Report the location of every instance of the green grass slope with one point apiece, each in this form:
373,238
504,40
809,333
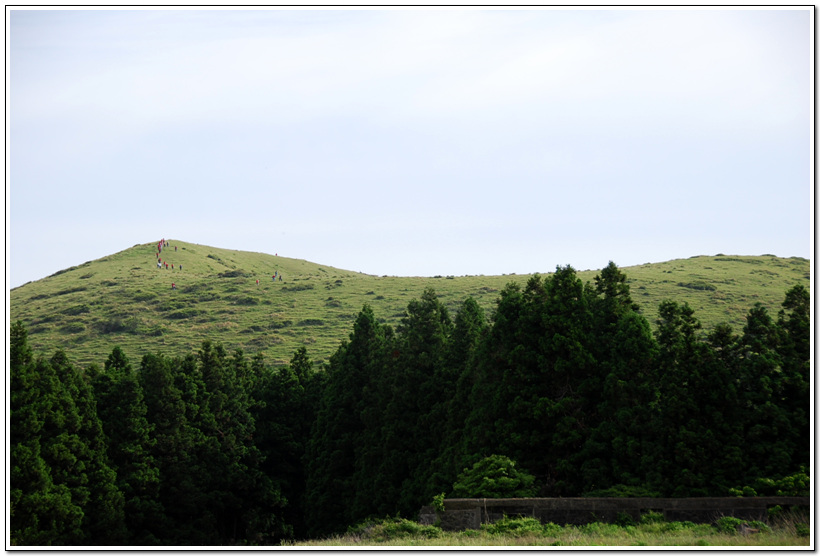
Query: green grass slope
125,300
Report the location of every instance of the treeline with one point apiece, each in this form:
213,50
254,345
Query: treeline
567,379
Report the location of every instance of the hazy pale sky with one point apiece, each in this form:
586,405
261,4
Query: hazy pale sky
410,141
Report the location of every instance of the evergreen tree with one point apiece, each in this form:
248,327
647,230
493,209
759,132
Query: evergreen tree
173,450
284,418
794,323
103,520
768,431
42,513
420,387
122,410
239,500
624,349
470,325
336,445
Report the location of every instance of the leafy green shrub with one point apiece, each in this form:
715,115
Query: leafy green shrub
233,274
514,527
624,519
438,502
796,484
115,324
802,529
552,529
494,477
652,517
393,528
728,524
759,525
697,285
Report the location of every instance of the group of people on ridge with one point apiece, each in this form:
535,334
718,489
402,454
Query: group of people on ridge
163,243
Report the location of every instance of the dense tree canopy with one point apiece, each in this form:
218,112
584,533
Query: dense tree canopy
565,391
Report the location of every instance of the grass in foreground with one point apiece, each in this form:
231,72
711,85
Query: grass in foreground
652,531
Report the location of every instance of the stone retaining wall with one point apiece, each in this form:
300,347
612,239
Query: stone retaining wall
470,513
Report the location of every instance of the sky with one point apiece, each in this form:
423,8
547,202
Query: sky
410,142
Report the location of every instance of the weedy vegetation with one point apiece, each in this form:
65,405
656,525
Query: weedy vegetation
652,530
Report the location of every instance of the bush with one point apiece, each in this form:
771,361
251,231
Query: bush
514,527
652,517
728,524
494,477
802,529
233,274
796,484
393,528
438,502
624,519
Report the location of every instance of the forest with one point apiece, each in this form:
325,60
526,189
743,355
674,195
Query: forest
566,379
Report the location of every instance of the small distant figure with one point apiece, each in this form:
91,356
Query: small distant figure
173,285
257,281
180,267
274,277
172,266
159,264
280,277
175,247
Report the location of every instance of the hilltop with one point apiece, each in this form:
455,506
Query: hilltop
124,299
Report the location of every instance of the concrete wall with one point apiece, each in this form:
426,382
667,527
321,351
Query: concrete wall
470,513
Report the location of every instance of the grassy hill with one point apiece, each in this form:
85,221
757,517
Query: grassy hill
125,300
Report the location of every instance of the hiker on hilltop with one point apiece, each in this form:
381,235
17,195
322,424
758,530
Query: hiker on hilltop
173,285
